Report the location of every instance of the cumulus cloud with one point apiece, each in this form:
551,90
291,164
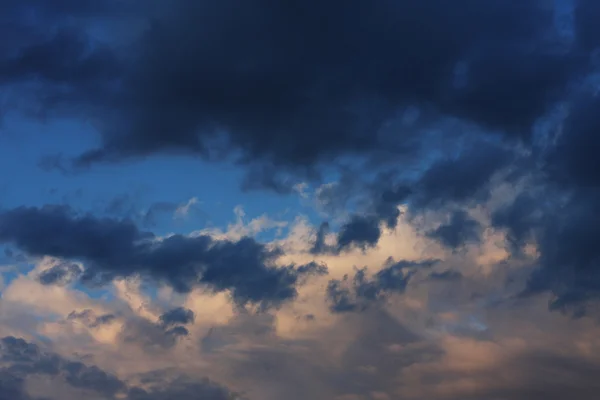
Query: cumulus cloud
404,329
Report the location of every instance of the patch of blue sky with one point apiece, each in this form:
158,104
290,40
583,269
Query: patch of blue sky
11,268
103,293
159,179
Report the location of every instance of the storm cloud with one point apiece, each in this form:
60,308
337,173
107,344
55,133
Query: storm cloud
270,81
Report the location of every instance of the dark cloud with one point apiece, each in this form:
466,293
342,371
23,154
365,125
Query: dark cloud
462,177
60,274
58,231
59,8
559,214
21,360
152,336
183,388
359,292
286,88
12,387
565,221
569,256
585,26
114,248
572,161
363,230
319,246
446,276
386,206
360,231
179,315
267,82
460,230
90,318
519,219
64,57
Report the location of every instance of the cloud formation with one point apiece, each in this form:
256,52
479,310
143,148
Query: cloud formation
23,360
358,293
460,138
117,248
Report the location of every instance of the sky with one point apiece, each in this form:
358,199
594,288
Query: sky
316,199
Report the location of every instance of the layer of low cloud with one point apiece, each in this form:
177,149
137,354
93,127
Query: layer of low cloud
409,328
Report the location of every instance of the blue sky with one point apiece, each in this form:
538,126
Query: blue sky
217,187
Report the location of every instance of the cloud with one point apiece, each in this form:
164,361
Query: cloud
88,317
296,103
461,229
183,389
460,140
114,248
179,315
415,337
471,369
23,360
63,273
360,231
152,336
446,100
446,276
357,294
462,178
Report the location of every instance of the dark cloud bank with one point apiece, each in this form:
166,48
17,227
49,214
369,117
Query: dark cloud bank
445,95
112,248
22,360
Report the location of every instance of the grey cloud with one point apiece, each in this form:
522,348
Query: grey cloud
360,292
22,360
179,315
114,248
151,336
60,274
464,177
184,389
90,318
460,230
523,376
447,275
290,103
